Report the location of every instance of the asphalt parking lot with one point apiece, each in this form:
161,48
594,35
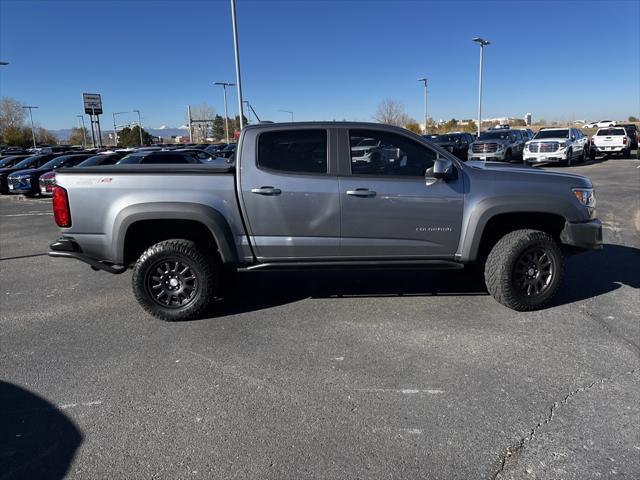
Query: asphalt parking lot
367,374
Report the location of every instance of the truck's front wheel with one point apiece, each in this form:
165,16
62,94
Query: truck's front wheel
175,280
524,269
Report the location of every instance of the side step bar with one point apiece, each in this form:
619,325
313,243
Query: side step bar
346,264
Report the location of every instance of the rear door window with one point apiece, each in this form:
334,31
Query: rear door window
293,151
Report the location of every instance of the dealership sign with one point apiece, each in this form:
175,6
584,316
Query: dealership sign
92,103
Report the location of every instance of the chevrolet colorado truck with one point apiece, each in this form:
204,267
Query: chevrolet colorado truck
298,196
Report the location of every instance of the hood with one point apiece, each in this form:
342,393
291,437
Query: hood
553,139
493,140
24,172
498,168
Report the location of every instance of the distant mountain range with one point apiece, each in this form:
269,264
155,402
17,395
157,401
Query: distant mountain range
162,131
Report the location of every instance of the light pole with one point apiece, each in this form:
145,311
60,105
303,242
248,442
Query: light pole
115,133
224,86
139,125
4,63
289,112
483,43
84,130
425,80
236,48
33,132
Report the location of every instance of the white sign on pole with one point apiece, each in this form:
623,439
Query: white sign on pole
92,103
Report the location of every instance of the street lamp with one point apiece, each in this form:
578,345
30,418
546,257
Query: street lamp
115,133
289,112
425,80
224,86
483,43
84,131
33,132
139,125
4,63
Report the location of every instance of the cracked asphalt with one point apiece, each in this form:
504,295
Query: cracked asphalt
388,374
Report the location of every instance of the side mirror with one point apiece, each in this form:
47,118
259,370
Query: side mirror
442,169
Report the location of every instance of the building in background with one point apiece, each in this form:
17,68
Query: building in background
527,119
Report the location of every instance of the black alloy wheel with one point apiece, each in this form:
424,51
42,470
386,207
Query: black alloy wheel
172,283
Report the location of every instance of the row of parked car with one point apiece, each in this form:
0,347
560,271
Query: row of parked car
34,174
563,145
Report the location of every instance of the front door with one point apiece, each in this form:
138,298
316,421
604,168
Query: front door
289,196
388,209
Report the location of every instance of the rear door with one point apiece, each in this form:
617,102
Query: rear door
289,193
388,208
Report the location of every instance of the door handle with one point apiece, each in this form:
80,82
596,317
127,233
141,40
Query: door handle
361,192
266,191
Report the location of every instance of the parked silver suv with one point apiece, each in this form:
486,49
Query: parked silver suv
498,145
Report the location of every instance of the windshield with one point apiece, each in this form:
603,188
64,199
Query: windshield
27,162
552,134
132,158
108,159
611,131
495,135
55,163
7,162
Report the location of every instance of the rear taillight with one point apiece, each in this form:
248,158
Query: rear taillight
61,212
624,140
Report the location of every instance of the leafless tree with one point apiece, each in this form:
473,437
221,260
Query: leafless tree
392,112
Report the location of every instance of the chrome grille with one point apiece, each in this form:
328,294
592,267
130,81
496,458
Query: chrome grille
484,147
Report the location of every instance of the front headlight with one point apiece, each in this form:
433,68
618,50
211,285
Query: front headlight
585,196
500,147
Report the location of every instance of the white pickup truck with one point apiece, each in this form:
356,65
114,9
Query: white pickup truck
612,140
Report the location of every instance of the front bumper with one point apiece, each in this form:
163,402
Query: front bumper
67,248
486,157
586,235
545,157
20,185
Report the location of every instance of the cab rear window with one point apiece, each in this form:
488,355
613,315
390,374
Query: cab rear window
294,151
611,132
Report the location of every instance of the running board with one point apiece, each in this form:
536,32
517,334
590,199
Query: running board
347,264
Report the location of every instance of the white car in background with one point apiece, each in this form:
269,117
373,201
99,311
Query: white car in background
600,124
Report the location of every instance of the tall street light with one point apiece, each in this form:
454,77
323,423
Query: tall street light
139,125
425,80
84,130
236,48
224,86
115,133
483,43
289,112
4,63
33,132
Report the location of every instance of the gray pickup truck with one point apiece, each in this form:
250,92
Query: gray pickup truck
300,196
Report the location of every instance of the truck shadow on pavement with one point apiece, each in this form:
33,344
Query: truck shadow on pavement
587,275
37,440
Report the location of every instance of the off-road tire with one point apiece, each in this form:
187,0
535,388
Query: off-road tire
505,257
507,156
202,266
567,162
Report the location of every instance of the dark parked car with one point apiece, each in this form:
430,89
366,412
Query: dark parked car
632,131
27,181
32,161
456,143
228,151
214,149
158,157
200,154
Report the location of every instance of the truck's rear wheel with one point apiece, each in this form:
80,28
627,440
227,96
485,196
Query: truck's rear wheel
175,280
524,269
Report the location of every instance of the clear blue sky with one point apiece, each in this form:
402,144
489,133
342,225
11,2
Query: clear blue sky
323,59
